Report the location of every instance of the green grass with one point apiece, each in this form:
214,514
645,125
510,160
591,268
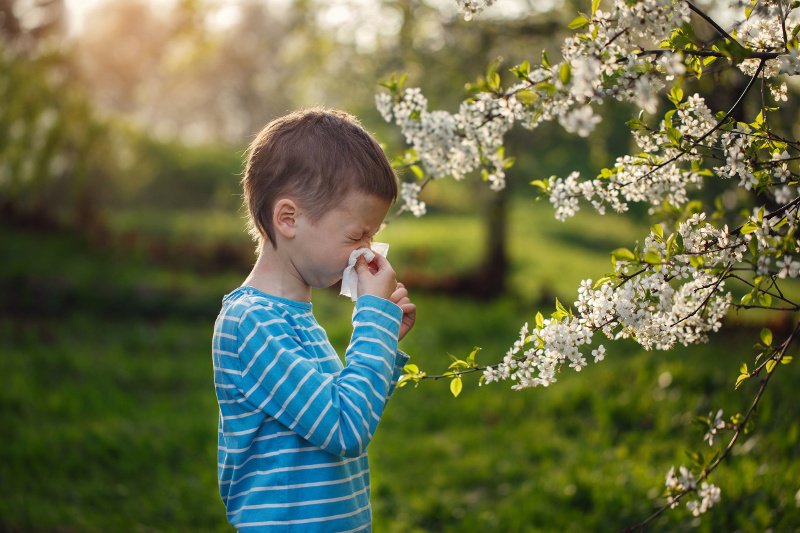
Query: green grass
111,415
115,420
111,426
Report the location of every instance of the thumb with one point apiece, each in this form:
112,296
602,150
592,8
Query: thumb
360,265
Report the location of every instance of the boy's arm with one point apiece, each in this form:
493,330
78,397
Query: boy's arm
338,413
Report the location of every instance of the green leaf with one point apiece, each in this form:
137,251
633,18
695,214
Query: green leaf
675,136
695,457
456,386
658,231
786,359
395,82
652,257
636,124
560,312
731,49
741,379
522,70
578,22
771,365
749,227
540,340
493,81
565,73
540,184
417,171
623,254
743,369
595,6
546,87
668,118
411,369
759,121
601,281
539,320
676,95
527,97
679,243
670,246
766,336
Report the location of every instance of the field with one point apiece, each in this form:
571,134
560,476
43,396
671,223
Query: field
111,415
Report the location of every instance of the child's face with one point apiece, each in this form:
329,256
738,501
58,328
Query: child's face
321,249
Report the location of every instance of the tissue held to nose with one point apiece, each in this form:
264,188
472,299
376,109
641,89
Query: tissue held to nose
349,276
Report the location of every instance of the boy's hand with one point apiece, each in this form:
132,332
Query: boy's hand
400,297
376,278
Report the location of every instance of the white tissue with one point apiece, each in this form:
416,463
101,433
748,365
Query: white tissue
349,276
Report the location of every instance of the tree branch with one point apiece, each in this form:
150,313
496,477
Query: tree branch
738,432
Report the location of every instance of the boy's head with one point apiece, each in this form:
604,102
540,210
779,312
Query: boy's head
316,157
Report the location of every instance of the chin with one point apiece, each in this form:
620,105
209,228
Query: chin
327,284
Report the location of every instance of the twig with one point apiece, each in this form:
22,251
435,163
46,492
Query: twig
711,21
707,298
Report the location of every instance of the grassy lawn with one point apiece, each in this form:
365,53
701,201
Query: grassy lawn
112,419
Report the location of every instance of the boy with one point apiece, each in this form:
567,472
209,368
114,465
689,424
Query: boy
294,422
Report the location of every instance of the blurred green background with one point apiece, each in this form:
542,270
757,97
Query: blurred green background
122,129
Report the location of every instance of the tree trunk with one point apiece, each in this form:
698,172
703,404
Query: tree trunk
490,279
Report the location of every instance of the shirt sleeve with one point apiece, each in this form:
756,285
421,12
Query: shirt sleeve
400,361
338,413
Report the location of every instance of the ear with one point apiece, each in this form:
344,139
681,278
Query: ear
284,217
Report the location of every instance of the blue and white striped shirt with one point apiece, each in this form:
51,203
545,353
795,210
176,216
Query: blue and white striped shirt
294,423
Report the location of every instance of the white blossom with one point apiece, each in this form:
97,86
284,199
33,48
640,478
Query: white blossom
790,63
409,194
645,95
715,424
788,267
709,495
383,101
581,120
472,7
779,92
599,353
672,64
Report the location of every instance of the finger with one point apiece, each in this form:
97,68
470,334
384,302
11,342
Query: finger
380,262
399,294
360,265
409,309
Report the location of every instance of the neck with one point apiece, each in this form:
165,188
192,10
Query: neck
275,275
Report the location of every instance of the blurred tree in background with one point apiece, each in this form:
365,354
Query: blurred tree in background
51,144
155,102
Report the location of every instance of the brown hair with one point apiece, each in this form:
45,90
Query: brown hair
315,156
